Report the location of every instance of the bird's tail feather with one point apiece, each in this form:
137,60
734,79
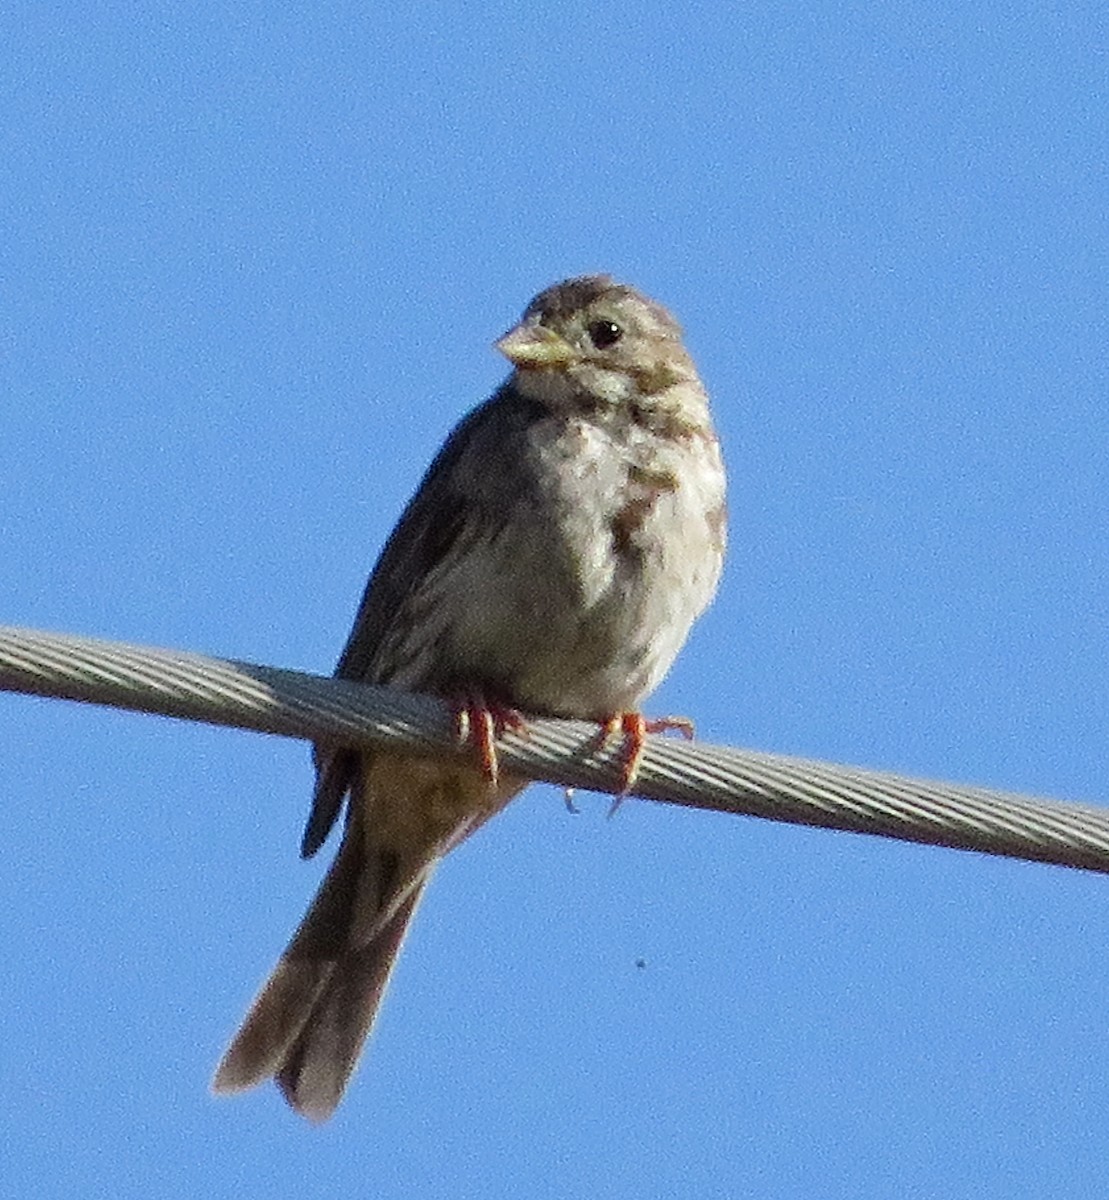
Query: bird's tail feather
308,1024
319,1064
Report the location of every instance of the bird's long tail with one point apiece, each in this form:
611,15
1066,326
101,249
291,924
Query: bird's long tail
307,1027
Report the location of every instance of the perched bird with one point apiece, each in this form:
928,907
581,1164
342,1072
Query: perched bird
551,563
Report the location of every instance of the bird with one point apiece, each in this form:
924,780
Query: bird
550,563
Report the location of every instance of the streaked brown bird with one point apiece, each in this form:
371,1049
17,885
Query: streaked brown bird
551,562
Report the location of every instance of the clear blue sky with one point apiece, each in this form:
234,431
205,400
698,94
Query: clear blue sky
253,258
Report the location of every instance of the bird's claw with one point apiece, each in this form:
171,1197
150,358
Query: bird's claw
480,722
633,728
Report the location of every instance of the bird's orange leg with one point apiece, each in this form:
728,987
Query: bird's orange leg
633,728
480,722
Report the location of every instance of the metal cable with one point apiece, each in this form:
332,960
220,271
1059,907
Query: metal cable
294,704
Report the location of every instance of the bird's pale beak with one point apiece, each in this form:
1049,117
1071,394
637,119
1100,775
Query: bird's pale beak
532,346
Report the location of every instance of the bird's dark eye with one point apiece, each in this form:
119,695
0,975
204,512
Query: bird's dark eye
604,334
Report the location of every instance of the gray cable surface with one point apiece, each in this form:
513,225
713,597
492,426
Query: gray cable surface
294,704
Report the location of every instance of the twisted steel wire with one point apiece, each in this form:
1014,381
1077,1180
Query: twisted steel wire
569,753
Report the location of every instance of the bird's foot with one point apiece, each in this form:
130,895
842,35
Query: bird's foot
479,722
633,728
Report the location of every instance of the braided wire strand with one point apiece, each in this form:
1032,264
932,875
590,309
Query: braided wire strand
569,753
